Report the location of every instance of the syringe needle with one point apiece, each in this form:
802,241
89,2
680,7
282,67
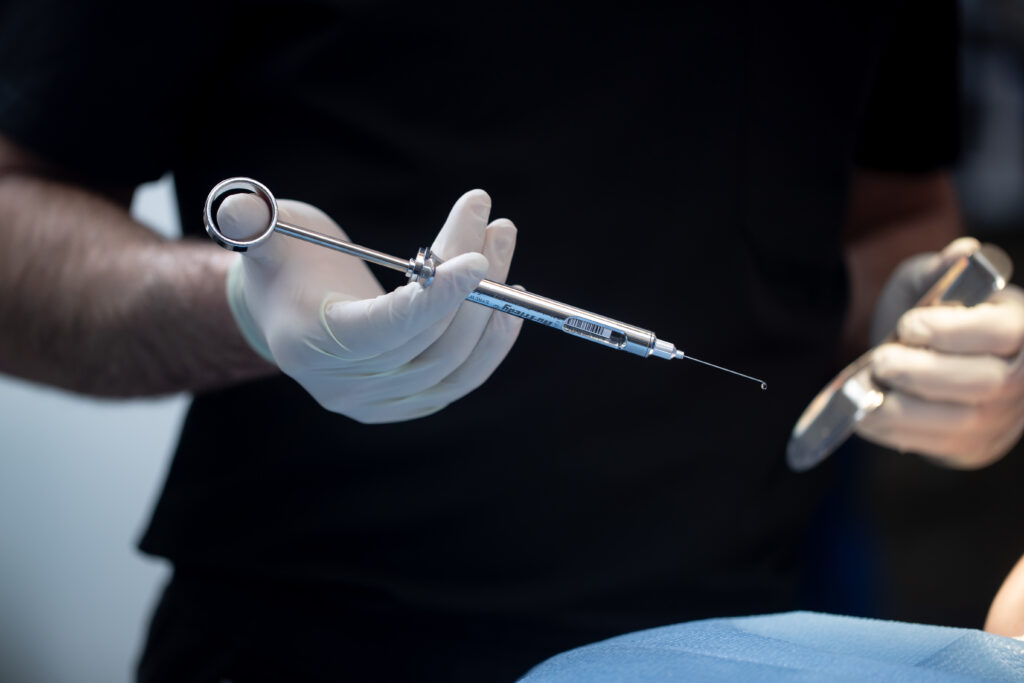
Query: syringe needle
681,355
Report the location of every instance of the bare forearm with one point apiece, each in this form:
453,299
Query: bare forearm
93,302
891,217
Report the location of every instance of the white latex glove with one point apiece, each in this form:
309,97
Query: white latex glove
324,319
954,376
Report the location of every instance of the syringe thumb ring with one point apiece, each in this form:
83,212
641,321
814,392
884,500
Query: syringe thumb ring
232,186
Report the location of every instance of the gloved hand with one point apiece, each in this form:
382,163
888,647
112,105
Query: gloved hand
1006,613
954,378
325,320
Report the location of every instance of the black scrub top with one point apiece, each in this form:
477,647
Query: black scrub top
682,168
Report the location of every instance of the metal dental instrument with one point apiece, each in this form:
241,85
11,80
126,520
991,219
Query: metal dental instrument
503,298
832,416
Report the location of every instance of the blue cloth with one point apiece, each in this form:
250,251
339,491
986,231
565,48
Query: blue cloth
805,646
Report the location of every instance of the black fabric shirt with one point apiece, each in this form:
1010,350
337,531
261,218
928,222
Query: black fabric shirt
683,169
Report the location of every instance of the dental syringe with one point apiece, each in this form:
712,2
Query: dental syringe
511,300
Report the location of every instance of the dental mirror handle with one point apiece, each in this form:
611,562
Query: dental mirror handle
832,416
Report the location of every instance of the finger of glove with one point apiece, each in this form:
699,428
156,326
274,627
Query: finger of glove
954,378
909,423
369,328
494,345
420,386
901,292
917,274
499,246
463,231
910,281
995,327
501,330
381,384
969,450
397,374
956,452
412,369
245,216
463,335
958,248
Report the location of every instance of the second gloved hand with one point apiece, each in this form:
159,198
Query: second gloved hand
325,320
954,378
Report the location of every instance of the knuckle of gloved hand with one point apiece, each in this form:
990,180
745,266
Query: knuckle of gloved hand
885,433
875,426
911,329
1013,334
402,315
437,329
501,336
930,326
978,422
437,374
984,393
965,420
508,325
431,310
422,373
889,364
992,383
463,273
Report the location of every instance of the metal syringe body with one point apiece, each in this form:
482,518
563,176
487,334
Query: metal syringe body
503,298
572,320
